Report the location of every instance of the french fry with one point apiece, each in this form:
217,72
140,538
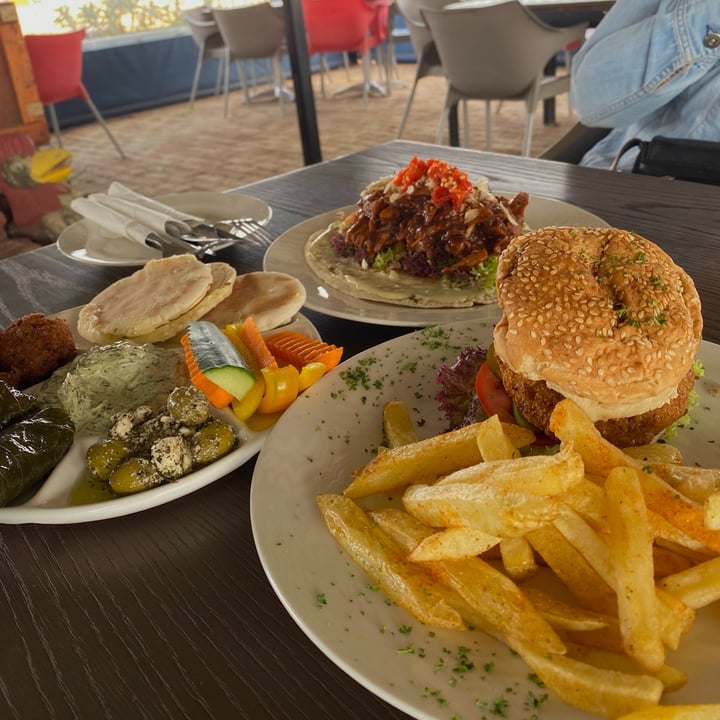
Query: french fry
493,442
562,615
655,453
632,561
632,534
588,500
676,618
519,436
590,544
494,597
573,570
453,544
696,586
398,428
423,461
696,483
495,511
537,475
595,690
711,510
676,712
678,510
671,678
518,558
667,561
571,425
406,583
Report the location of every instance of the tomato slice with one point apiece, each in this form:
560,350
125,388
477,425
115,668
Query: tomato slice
492,396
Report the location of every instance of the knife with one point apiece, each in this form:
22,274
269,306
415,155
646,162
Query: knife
120,224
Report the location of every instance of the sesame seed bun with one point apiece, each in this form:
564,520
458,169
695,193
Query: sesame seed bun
603,316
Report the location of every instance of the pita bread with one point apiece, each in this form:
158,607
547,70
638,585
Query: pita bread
271,298
395,288
221,278
160,291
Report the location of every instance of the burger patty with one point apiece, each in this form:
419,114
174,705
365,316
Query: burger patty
536,401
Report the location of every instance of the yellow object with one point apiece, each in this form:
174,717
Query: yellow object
310,374
50,166
281,388
243,409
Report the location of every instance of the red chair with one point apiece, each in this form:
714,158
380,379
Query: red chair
57,65
340,26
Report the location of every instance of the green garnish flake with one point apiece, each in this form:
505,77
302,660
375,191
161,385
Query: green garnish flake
434,337
463,663
320,600
359,377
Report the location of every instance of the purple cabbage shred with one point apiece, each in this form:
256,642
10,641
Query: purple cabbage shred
456,397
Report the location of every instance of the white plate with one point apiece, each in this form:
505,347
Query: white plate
49,505
287,255
87,242
315,448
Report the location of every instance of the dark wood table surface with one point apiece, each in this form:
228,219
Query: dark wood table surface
168,613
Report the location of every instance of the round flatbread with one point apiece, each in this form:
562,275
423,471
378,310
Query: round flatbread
271,298
223,276
159,292
396,288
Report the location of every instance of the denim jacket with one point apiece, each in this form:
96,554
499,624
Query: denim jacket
651,67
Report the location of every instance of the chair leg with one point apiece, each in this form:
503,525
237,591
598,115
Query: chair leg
406,112
244,80
55,124
196,78
219,76
488,126
466,123
527,140
104,125
226,83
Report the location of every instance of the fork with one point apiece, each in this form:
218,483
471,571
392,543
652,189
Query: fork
247,229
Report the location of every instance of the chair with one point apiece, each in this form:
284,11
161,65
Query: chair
253,32
428,61
207,37
57,66
497,51
344,26
571,147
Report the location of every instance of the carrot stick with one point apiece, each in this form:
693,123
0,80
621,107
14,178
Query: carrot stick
296,349
218,397
255,342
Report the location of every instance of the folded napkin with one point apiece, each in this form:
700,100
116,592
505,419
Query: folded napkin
111,220
124,212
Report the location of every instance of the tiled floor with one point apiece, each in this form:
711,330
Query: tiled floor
175,149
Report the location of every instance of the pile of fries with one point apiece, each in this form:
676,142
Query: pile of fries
484,534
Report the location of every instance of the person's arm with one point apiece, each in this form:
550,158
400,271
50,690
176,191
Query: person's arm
642,55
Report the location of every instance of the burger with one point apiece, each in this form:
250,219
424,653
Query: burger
601,316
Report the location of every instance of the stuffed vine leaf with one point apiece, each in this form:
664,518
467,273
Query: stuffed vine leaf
31,448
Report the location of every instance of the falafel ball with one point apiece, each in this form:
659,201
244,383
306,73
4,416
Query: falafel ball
33,347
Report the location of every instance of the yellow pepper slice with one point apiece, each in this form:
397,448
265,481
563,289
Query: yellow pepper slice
310,374
281,388
243,409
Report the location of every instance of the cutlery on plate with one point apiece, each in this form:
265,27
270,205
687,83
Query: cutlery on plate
120,224
176,223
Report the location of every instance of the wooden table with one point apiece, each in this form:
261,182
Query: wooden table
167,613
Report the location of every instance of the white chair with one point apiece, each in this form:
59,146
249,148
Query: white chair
428,61
253,32
206,35
497,50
